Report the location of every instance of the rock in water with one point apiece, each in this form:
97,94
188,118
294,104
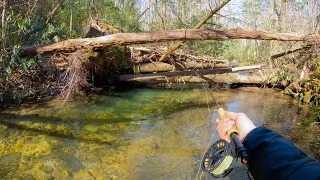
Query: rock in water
9,163
47,169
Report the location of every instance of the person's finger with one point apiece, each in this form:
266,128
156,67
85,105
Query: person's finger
222,135
231,115
223,121
220,131
224,127
219,127
229,125
218,121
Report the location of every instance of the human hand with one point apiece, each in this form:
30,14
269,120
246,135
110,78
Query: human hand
234,120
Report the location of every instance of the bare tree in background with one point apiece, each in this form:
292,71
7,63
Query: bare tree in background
3,24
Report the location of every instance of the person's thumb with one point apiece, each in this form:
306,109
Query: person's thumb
231,115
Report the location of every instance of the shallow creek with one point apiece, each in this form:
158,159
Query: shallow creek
135,134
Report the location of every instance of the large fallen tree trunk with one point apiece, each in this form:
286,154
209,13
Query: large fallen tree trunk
159,36
165,75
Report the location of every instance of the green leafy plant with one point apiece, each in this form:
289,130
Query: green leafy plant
285,75
312,119
315,86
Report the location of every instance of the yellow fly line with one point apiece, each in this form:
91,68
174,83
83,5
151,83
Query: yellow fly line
225,164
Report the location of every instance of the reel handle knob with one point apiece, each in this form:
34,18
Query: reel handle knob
223,117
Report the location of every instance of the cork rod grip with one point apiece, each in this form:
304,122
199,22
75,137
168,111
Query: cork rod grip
223,117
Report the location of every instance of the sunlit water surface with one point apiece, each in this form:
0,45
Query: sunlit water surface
136,134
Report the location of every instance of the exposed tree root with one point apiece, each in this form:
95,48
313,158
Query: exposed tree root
75,78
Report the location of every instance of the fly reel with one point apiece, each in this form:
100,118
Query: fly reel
220,159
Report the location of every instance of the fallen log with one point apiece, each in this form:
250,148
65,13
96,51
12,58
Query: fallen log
159,36
164,75
230,78
289,52
183,65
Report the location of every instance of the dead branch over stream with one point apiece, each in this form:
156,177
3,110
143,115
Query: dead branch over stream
160,36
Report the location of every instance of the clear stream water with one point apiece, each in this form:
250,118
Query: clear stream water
135,134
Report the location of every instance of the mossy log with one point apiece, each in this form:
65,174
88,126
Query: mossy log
160,36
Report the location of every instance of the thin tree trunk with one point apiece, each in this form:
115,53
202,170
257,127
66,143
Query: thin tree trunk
146,10
3,24
54,10
203,21
71,15
164,15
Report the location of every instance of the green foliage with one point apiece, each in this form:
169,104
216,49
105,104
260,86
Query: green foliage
211,48
21,30
314,118
314,100
123,15
315,86
232,50
285,75
25,27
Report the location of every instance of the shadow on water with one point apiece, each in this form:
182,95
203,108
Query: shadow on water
12,122
52,132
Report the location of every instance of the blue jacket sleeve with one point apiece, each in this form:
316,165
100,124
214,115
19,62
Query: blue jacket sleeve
274,157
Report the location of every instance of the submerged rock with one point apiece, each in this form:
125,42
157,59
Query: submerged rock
3,127
83,175
71,162
39,148
9,163
28,177
60,173
47,169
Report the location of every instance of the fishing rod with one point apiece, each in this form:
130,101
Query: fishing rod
221,157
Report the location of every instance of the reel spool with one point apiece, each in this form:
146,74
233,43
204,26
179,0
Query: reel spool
220,159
